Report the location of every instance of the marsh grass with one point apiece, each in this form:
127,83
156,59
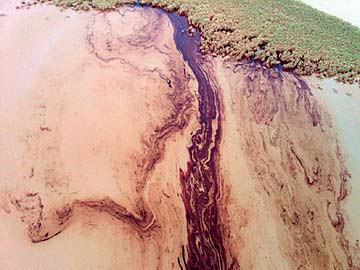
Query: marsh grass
285,32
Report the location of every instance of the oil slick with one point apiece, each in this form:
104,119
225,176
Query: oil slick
291,152
200,180
139,151
111,110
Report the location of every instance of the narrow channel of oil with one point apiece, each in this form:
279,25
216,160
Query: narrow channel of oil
199,181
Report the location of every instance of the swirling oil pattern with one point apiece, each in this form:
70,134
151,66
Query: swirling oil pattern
124,147
199,181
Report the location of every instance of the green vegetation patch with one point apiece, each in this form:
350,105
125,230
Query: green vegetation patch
285,32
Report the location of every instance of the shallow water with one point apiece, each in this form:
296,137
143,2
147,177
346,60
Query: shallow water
136,150
343,102
69,140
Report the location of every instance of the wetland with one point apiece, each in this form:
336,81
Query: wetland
124,147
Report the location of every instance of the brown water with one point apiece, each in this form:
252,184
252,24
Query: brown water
124,148
86,111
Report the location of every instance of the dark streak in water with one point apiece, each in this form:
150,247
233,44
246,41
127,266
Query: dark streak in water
200,187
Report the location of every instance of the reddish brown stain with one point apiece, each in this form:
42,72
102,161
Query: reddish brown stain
200,180
281,127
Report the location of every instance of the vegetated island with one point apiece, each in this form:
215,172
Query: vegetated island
285,32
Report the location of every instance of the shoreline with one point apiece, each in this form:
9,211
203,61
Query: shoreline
259,50
159,157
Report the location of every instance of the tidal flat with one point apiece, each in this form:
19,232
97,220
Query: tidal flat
123,147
